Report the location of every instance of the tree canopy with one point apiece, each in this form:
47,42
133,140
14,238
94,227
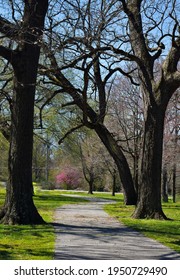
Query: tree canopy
77,49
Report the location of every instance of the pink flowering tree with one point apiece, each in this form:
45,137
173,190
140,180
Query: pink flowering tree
68,178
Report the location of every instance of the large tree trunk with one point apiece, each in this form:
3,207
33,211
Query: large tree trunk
19,207
130,196
149,193
157,93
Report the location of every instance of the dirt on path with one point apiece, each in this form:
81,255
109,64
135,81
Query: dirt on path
87,232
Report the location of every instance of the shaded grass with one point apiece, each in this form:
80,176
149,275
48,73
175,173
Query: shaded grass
37,242
118,197
167,232
26,242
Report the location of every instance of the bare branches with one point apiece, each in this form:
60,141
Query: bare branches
91,44
124,73
70,132
174,55
9,29
48,100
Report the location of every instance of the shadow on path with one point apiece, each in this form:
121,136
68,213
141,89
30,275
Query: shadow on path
86,232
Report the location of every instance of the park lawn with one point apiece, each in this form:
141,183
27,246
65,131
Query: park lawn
26,242
105,195
166,232
37,242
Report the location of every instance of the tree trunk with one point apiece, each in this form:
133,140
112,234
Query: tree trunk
174,183
114,183
136,171
90,182
149,193
130,196
164,184
19,207
175,152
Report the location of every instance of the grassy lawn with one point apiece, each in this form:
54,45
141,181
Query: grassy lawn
166,232
37,242
33,242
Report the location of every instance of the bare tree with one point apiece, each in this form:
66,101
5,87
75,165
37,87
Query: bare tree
21,31
79,43
125,119
93,162
97,39
147,46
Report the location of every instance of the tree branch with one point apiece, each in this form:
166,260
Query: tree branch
6,53
171,62
127,74
9,29
47,102
69,132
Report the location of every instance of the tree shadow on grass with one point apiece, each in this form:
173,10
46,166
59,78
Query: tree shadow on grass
5,253
177,242
58,198
9,254
26,242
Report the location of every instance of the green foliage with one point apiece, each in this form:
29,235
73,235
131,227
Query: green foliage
33,242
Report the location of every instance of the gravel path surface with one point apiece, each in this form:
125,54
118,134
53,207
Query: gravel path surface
87,232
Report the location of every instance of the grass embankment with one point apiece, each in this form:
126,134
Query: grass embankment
33,242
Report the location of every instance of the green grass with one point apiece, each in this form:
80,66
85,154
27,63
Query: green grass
37,242
118,197
33,242
166,232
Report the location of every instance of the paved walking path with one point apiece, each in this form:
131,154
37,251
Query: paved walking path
86,232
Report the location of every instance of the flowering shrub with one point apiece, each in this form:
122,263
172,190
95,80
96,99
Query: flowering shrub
68,178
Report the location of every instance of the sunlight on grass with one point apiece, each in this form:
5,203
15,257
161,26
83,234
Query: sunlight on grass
37,242
33,242
166,232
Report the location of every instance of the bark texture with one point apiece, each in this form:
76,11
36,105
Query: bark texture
149,192
19,207
130,196
156,95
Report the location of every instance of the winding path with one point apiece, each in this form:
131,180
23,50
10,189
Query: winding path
87,232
